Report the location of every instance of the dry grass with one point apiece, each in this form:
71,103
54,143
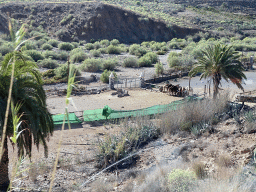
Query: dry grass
224,160
197,114
199,169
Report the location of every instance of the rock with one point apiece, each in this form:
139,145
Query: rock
247,150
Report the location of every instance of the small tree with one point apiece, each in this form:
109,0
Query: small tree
159,69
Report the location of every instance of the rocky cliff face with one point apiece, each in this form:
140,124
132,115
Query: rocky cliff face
76,21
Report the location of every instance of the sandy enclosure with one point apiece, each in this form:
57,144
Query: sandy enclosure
137,99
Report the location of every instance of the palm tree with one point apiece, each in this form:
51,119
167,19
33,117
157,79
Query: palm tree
217,62
21,85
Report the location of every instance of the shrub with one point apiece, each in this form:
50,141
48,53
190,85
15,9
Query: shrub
156,46
97,45
49,73
75,44
46,46
145,61
62,71
114,42
91,65
41,42
51,54
173,59
153,56
35,55
63,55
105,42
89,46
48,63
159,69
61,33
181,180
76,50
30,45
130,62
66,46
102,50
137,50
124,48
6,48
78,57
95,53
53,42
111,49
199,169
105,76
110,64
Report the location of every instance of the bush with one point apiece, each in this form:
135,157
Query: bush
102,50
53,42
75,44
124,48
137,50
145,61
29,45
41,42
66,46
181,180
97,45
111,49
63,55
35,55
49,73
61,33
62,71
130,62
6,48
89,46
173,59
91,65
105,76
110,64
153,57
48,63
46,46
78,57
114,42
105,42
51,54
159,69
95,53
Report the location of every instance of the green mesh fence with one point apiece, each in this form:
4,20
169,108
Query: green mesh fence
58,119
108,113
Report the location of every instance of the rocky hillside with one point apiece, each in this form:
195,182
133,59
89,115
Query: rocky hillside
91,20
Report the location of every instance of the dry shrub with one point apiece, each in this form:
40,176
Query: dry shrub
101,186
193,113
199,169
224,160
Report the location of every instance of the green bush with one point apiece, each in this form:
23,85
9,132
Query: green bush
6,48
110,64
48,63
153,56
173,59
89,46
91,65
51,54
78,57
114,42
75,44
46,46
145,61
130,62
97,45
41,42
156,46
124,48
49,73
159,69
63,55
105,42
66,46
29,45
53,42
75,51
181,180
62,71
105,76
35,55
111,49
137,50
95,53
102,50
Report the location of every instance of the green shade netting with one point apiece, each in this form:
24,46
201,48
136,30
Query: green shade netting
101,114
58,119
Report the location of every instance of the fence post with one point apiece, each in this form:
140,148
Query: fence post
111,81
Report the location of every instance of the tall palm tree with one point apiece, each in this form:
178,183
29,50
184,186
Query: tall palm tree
36,124
217,62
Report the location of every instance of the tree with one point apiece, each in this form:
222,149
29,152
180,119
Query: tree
21,89
217,62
